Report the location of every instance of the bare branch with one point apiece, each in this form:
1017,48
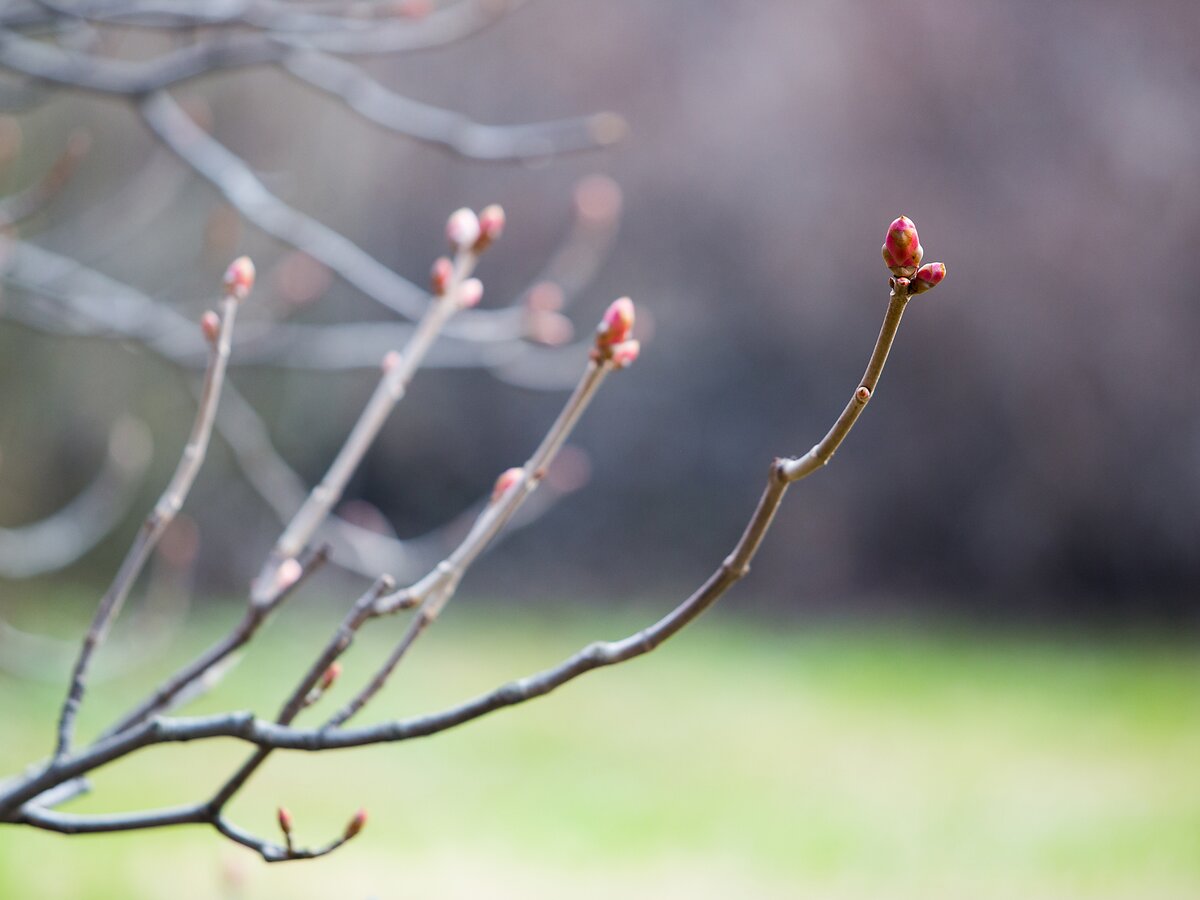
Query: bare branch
164,511
352,546
452,130
434,591
233,178
393,383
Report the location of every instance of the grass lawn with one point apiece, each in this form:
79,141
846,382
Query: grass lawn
737,761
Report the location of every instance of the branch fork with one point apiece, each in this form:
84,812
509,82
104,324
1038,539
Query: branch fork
29,799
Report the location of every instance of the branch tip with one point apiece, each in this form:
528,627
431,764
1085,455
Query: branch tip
239,278
928,277
462,229
356,824
491,226
617,324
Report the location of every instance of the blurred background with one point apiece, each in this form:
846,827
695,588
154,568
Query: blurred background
1030,460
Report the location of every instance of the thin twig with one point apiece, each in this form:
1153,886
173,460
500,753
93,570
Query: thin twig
391,388
156,523
434,591
451,130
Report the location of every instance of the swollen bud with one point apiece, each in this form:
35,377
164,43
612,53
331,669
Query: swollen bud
286,575
439,275
491,226
508,478
470,293
928,276
462,229
239,278
901,242
625,354
356,824
331,675
617,324
285,820
210,327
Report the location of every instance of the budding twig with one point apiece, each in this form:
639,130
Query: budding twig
434,591
238,281
393,383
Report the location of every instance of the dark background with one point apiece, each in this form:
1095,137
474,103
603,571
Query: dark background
1032,449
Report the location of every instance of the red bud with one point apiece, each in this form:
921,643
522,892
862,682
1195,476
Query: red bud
617,324
440,275
902,241
356,824
285,820
928,276
331,675
491,226
508,478
625,354
210,327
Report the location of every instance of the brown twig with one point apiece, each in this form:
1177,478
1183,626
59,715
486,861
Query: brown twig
156,523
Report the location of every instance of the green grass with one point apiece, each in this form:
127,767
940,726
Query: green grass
737,761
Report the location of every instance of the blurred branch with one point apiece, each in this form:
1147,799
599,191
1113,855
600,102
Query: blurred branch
352,546
59,540
454,131
15,208
154,625
398,370
233,178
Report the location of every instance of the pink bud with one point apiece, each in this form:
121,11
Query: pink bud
331,675
391,360
356,824
285,820
617,324
928,276
491,226
902,241
287,574
470,293
462,228
210,327
440,275
625,354
239,278
508,478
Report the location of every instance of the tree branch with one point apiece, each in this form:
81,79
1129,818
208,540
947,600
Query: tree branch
156,523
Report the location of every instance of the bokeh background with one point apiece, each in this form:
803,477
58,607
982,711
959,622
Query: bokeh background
1028,467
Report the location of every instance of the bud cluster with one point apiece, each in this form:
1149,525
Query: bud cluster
614,334
467,231
903,254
